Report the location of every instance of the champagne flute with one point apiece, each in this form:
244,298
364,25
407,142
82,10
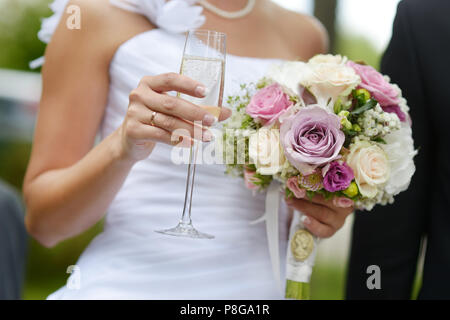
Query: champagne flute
204,61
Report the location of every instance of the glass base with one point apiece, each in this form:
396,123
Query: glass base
186,230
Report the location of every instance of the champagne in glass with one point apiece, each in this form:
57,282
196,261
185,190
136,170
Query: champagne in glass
203,61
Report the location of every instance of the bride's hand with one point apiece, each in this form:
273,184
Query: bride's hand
153,116
322,217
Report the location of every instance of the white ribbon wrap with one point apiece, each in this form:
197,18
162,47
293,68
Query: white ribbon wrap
271,219
299,271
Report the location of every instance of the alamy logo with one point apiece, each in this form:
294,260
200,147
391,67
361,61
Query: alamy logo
74,281
374,280
74,20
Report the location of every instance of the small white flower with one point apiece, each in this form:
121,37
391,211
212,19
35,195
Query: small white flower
400,152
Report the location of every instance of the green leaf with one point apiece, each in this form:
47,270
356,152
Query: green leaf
310,194
351,133
289,193
263,181
379,140
369,105
326,194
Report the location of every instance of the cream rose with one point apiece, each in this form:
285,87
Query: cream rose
265,151
328,58
329,81
370,166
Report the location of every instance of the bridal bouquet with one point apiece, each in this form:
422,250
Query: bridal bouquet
329,127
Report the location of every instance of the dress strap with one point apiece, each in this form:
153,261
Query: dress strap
49,24
48,27
174,16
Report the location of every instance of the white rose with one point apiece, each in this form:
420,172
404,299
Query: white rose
370,165
328,58
329,81
400,152
265,151
290,75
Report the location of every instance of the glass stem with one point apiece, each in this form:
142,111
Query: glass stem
186,217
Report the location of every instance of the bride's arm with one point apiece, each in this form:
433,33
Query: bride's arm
69,184
67,187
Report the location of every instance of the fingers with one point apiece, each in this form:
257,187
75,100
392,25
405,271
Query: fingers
149,93
318,212
317,228
319,199
142,133
225,113
174,106
175,82
174,125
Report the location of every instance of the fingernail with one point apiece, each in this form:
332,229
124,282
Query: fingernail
207,136
209,120
200,91
177,140
306,220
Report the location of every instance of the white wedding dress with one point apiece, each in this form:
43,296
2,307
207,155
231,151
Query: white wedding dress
128,260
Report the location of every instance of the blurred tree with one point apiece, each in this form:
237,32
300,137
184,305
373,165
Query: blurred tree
20,20
358,48
325,11
14,159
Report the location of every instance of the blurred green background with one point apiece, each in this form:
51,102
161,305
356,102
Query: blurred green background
46,269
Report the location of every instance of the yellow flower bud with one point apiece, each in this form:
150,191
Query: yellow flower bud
364,94
344,114
346,124
351,191
338,106
356,128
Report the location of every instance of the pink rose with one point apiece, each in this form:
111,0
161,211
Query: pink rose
292,184
268,104
311,138
374,82
249,178
342,202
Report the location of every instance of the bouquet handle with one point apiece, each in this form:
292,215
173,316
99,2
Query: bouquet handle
301,256
302,247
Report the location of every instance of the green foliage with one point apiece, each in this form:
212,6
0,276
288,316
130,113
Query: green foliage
20,22
328,281
379,140
289,194
358,48
262,180
249,123
360,109
13,161
47,268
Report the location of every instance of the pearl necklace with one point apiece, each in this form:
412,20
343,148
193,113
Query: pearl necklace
226,14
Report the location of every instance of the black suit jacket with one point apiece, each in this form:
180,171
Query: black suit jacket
418,60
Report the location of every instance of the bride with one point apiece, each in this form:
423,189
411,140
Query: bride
109,77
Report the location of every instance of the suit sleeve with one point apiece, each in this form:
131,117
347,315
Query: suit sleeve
390,237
